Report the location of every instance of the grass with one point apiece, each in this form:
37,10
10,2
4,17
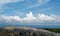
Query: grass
57,30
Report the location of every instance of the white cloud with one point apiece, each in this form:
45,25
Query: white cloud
2,2
30,18
9,1
39,3
9,18
43,17
43,1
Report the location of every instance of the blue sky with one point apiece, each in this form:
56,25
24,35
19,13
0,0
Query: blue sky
46,7
39,12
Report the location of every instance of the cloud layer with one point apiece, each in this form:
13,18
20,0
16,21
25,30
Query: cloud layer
30,18
39,3
28,3
9,1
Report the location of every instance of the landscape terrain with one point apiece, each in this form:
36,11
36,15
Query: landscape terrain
28,31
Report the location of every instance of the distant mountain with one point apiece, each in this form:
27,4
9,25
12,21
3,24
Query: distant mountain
34,26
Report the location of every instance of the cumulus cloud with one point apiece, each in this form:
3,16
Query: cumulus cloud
30,18
9,1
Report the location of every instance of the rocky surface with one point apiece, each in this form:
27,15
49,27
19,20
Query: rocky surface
25,31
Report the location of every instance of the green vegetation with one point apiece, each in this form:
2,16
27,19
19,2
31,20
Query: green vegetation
57,30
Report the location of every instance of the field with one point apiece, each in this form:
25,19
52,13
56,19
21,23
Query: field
57,30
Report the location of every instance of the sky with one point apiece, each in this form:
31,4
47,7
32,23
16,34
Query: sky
30,12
